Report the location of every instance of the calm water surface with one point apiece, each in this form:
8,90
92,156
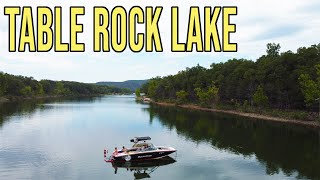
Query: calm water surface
65,139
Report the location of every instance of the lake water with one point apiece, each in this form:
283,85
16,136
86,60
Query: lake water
65,139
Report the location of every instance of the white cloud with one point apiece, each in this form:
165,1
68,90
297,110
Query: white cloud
258,22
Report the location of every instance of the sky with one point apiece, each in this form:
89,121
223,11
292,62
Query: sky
292,23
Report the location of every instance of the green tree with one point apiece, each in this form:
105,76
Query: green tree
259,98
246,105
207,96
3,84
273,49
181,96
39,89
138,93
309,87
59,89
152,88
26,91
237,79
11,85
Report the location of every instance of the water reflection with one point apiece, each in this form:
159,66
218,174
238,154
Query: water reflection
278,147
12,109
28,107
63,139
142,169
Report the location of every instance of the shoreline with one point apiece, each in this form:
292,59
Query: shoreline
312,124
6,99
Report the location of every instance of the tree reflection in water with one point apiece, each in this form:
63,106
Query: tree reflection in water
30,106
278,146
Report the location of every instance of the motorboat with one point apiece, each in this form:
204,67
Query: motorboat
142,169
142,149
146,100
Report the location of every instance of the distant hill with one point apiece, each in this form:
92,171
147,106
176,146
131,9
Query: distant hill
130,84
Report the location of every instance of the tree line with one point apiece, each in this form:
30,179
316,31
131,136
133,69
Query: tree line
12,85
286,80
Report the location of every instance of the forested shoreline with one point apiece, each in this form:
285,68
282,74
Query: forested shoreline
19,87
277,82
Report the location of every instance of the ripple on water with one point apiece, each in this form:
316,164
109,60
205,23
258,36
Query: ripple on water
25,163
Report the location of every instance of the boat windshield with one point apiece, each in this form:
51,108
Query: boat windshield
150,147
144,146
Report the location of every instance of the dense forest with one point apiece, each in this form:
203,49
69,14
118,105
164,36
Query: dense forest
130,84
11,85
276,80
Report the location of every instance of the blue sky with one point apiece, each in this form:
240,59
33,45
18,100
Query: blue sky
292,23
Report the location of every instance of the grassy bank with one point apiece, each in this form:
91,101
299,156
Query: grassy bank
293,117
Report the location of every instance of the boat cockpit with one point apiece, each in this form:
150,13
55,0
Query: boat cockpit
144,146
